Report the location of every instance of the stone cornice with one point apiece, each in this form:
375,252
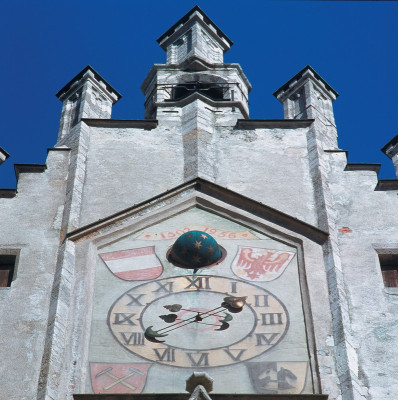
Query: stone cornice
146,124
273,123
387,184
29,168
363,167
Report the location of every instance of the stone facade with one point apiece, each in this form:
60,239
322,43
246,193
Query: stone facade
198,161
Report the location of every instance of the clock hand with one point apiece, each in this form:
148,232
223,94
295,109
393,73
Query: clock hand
197,318
190,320
234,302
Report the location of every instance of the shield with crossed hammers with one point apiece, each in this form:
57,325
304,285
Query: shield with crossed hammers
118,378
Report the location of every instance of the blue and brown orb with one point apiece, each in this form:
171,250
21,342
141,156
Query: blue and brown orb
195,249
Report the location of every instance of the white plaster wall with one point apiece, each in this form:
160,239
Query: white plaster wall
31,223
268,165
372,218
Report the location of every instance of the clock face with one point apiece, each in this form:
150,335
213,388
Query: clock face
139,346
260,325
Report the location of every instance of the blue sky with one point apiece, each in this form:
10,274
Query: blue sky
352,45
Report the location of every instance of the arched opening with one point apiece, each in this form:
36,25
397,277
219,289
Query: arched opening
213,87
214,91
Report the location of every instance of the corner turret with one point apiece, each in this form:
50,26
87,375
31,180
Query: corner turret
308,96
87,95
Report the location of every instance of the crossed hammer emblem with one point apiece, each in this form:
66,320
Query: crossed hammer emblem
117,380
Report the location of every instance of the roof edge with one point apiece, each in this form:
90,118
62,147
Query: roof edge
392,143
186,18
121,123
273,123
375,167
29,168
299,74
98,77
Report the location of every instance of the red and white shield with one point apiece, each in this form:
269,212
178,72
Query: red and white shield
134,265
255,264
118,378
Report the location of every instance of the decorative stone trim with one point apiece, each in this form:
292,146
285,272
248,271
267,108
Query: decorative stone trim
29,168
122,123
363,167
272,123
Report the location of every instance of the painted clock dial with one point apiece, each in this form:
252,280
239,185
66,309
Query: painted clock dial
259,326
262,349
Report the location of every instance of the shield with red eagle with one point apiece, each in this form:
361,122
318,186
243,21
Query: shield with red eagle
255,264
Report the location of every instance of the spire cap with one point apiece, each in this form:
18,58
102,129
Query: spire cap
84,74
293,83
195,14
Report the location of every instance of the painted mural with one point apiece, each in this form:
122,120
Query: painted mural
240,319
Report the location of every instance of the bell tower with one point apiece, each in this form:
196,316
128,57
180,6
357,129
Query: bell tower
195,76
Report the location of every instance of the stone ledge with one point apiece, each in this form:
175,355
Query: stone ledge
147,124
185,396
58,149
8,193
363,167
30,168
273,123
387,184
336,151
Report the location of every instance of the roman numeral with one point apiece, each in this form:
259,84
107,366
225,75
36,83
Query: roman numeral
123,319
233,287
164,287
261,300
199,359
134,338
271,319
165,354
237,356
198,282
263,339
135,299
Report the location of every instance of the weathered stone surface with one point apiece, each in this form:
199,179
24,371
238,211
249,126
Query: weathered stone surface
287,181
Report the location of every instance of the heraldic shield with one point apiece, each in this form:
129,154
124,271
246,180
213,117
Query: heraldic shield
134,265
118,378
282,377
256,264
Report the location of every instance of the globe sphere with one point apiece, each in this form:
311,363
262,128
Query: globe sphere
195,249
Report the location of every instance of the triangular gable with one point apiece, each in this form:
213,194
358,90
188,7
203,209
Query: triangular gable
202,194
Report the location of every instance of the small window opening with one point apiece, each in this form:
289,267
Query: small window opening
389,269
7,266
